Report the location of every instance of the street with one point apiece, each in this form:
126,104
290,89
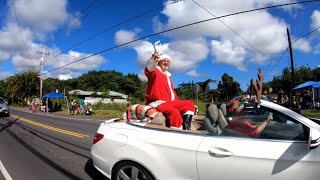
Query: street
35,146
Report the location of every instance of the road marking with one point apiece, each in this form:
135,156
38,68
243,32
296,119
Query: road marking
50,127
5,172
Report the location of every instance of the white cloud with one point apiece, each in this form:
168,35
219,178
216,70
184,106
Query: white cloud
193,73
73,69
142,76
302,45
4,75
317,49
4,56
225,53
184,54
65,76
124,36
188,46
40,16
83,63
11,39
315,18
23,63
265,32
36,18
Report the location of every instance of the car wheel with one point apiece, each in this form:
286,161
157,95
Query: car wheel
131,171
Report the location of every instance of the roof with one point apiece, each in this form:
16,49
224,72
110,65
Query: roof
53,95
88,93
307,85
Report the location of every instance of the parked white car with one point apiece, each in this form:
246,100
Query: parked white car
286,149
4,109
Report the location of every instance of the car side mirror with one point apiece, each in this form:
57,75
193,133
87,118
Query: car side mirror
314,138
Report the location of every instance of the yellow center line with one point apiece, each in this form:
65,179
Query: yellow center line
50,127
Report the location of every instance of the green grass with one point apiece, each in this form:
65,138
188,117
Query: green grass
98,114
311,113
201,107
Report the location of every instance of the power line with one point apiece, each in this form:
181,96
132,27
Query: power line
230,28
24,43
183,26
280,57
68,27
112,27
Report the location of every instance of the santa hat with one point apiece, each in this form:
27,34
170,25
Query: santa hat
164,56
232,107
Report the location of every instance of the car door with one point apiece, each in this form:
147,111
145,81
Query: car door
176,154
280,152
167,153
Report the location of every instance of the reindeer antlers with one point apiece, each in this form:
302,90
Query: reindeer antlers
258,86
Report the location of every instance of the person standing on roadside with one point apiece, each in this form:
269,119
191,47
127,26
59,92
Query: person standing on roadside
162,96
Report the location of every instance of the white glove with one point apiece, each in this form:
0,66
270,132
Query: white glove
270,116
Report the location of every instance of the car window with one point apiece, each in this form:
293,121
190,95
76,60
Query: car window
282,127
1,100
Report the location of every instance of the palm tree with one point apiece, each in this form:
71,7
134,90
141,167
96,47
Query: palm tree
205,86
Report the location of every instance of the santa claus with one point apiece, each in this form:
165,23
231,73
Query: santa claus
162,96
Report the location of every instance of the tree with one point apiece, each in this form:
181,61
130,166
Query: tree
228,88
316,74
3,86
284,82
205,86
51,84
186,90
22,86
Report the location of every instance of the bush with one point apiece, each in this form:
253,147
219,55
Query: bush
110,106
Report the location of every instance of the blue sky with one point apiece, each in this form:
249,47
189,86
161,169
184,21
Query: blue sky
237,45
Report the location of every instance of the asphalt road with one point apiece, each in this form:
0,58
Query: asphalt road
37,147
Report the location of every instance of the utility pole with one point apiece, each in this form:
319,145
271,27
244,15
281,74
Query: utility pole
41,69
292,66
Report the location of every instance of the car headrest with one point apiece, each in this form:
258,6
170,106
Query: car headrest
212,113
223,108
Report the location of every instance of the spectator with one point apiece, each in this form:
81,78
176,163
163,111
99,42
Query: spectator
72,107
78,109
88,109
43,106
33,107
235,111
50,106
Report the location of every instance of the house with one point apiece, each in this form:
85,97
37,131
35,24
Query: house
113,97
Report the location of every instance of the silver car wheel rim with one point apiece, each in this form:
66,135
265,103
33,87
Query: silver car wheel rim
131,173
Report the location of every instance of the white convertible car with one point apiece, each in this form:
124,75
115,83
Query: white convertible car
286,149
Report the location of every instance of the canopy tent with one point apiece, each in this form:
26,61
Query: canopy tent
308,85
53,95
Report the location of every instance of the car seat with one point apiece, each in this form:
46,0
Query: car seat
211,123
222,116
223,108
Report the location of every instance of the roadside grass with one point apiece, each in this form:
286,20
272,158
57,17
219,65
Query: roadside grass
98,114
311,113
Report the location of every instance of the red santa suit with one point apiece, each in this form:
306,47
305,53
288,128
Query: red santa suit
161,94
